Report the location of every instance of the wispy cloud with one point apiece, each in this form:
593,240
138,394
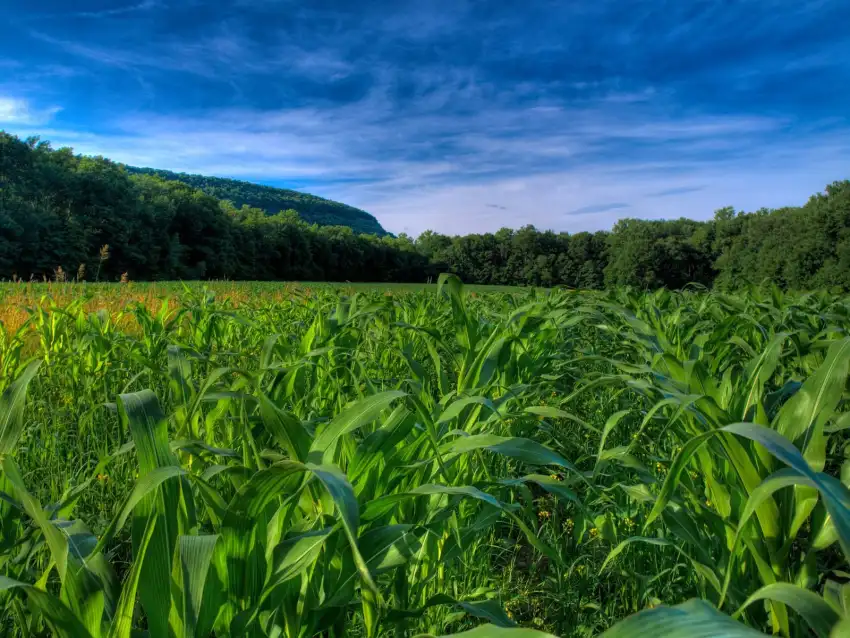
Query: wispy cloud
681,190
424,112
130,8
434,172
597,208
16,111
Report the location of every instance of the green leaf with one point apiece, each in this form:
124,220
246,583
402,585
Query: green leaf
195,554
380,506
141,414
390,546
551,485
355,416
692,619
491,631
340,489
456,407
61,620
521,449
286,429
279,480
489,610
818,614
56,541
700,568
81,588
610,424
12,409
122,623
820,393
293,556
556,413
785,477
835,496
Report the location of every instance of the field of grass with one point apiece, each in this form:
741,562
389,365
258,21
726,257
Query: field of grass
302,460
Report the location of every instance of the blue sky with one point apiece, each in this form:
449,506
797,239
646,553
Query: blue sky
461,115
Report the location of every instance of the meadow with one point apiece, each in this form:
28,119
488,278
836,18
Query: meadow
265,459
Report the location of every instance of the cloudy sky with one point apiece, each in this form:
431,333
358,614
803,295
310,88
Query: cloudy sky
456,115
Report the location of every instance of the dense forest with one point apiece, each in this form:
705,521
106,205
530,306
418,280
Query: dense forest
310,208
92,217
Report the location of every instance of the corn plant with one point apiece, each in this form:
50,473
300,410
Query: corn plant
251,460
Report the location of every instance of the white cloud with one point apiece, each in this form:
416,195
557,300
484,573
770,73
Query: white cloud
440,171
546,200
20,111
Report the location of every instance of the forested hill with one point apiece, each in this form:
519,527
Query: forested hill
64,215
311,208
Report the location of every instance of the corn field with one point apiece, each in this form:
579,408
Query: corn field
329,462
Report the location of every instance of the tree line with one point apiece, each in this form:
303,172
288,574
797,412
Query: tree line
92,217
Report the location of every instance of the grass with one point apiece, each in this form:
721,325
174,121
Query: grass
268,459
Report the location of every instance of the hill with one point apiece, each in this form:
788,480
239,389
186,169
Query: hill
64,215
311,208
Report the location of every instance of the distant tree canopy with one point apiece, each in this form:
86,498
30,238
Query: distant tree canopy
58,209
312,209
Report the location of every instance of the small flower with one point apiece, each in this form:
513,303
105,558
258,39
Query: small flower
103,478
581,569
568,525
555,476
629,523
544,514
708,502
594,532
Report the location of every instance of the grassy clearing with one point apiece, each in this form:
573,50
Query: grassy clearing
304,460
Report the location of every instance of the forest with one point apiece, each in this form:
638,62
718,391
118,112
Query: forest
93,218
273,200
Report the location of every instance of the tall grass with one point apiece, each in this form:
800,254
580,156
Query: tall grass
306,461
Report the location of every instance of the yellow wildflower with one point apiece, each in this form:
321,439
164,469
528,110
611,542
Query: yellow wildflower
103,478
544,514
594,532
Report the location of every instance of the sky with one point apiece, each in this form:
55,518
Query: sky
453,115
